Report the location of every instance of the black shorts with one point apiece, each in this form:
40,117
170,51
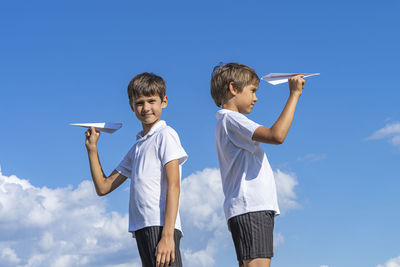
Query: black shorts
147,240
252,234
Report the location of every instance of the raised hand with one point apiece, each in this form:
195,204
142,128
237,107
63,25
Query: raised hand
92,136
296,84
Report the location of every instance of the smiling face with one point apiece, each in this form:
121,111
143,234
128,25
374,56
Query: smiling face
245,100
148,109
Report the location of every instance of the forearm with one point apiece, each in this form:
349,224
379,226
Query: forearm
171,209
282,125
98,176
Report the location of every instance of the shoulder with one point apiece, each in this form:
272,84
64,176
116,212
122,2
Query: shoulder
167,133
168,130
235,116
238,120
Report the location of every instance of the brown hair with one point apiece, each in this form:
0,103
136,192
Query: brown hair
223,74
146,84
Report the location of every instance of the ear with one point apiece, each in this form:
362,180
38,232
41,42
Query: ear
232,89
164,102
131,105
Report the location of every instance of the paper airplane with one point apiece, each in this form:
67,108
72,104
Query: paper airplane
278,78
108,127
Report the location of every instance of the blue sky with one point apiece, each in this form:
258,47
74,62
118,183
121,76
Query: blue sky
71,61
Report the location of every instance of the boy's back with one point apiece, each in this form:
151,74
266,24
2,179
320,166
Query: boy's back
247,177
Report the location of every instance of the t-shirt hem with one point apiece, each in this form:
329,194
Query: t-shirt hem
181,158
276,210
121,170
132,231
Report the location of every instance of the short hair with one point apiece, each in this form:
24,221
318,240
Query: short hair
146,84
223,74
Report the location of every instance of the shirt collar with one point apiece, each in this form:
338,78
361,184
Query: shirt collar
222,111
155,129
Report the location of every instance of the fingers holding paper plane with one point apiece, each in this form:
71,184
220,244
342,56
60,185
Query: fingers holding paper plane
296,84
92,136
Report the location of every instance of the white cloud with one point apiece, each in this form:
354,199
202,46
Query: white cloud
286,184
324,266
203,218
202,199
204,221
390,131
394,262
60,227
71,226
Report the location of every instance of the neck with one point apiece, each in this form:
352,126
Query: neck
147,127
230,106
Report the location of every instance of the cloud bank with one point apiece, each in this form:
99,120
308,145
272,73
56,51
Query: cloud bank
394,262
68,226
203,216
60,227
391,132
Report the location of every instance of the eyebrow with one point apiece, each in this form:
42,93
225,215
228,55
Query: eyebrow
151,98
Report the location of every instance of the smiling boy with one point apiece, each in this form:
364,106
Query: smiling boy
247,179
154,166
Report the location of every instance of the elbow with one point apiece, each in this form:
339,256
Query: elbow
277,136
279,139
279,142
101,193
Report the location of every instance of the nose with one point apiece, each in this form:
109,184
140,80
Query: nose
255,98
146,106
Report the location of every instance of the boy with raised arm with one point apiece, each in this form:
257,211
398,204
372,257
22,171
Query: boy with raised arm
247,179
154,166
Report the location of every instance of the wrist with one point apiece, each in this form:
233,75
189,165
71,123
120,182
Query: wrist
167,233
295,94
91,148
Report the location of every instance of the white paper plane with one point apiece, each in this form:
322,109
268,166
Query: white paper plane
278,78
108,127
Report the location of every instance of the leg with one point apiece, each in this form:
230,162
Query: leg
147,240
252,235
258,262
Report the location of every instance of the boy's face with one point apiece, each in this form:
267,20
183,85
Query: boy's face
148,109
246,99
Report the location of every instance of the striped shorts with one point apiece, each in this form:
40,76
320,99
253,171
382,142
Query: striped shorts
147,240
252,234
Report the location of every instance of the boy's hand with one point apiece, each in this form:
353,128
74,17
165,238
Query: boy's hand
296,84
91,138
165,252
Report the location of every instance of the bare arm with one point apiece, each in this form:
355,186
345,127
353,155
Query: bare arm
102,183
278,132
165,253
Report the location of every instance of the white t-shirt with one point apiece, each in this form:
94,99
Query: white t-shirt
144,164
247,178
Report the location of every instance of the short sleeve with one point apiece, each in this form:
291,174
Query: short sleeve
240,131
125,166
171,148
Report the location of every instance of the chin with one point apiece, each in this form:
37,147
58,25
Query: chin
150,121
